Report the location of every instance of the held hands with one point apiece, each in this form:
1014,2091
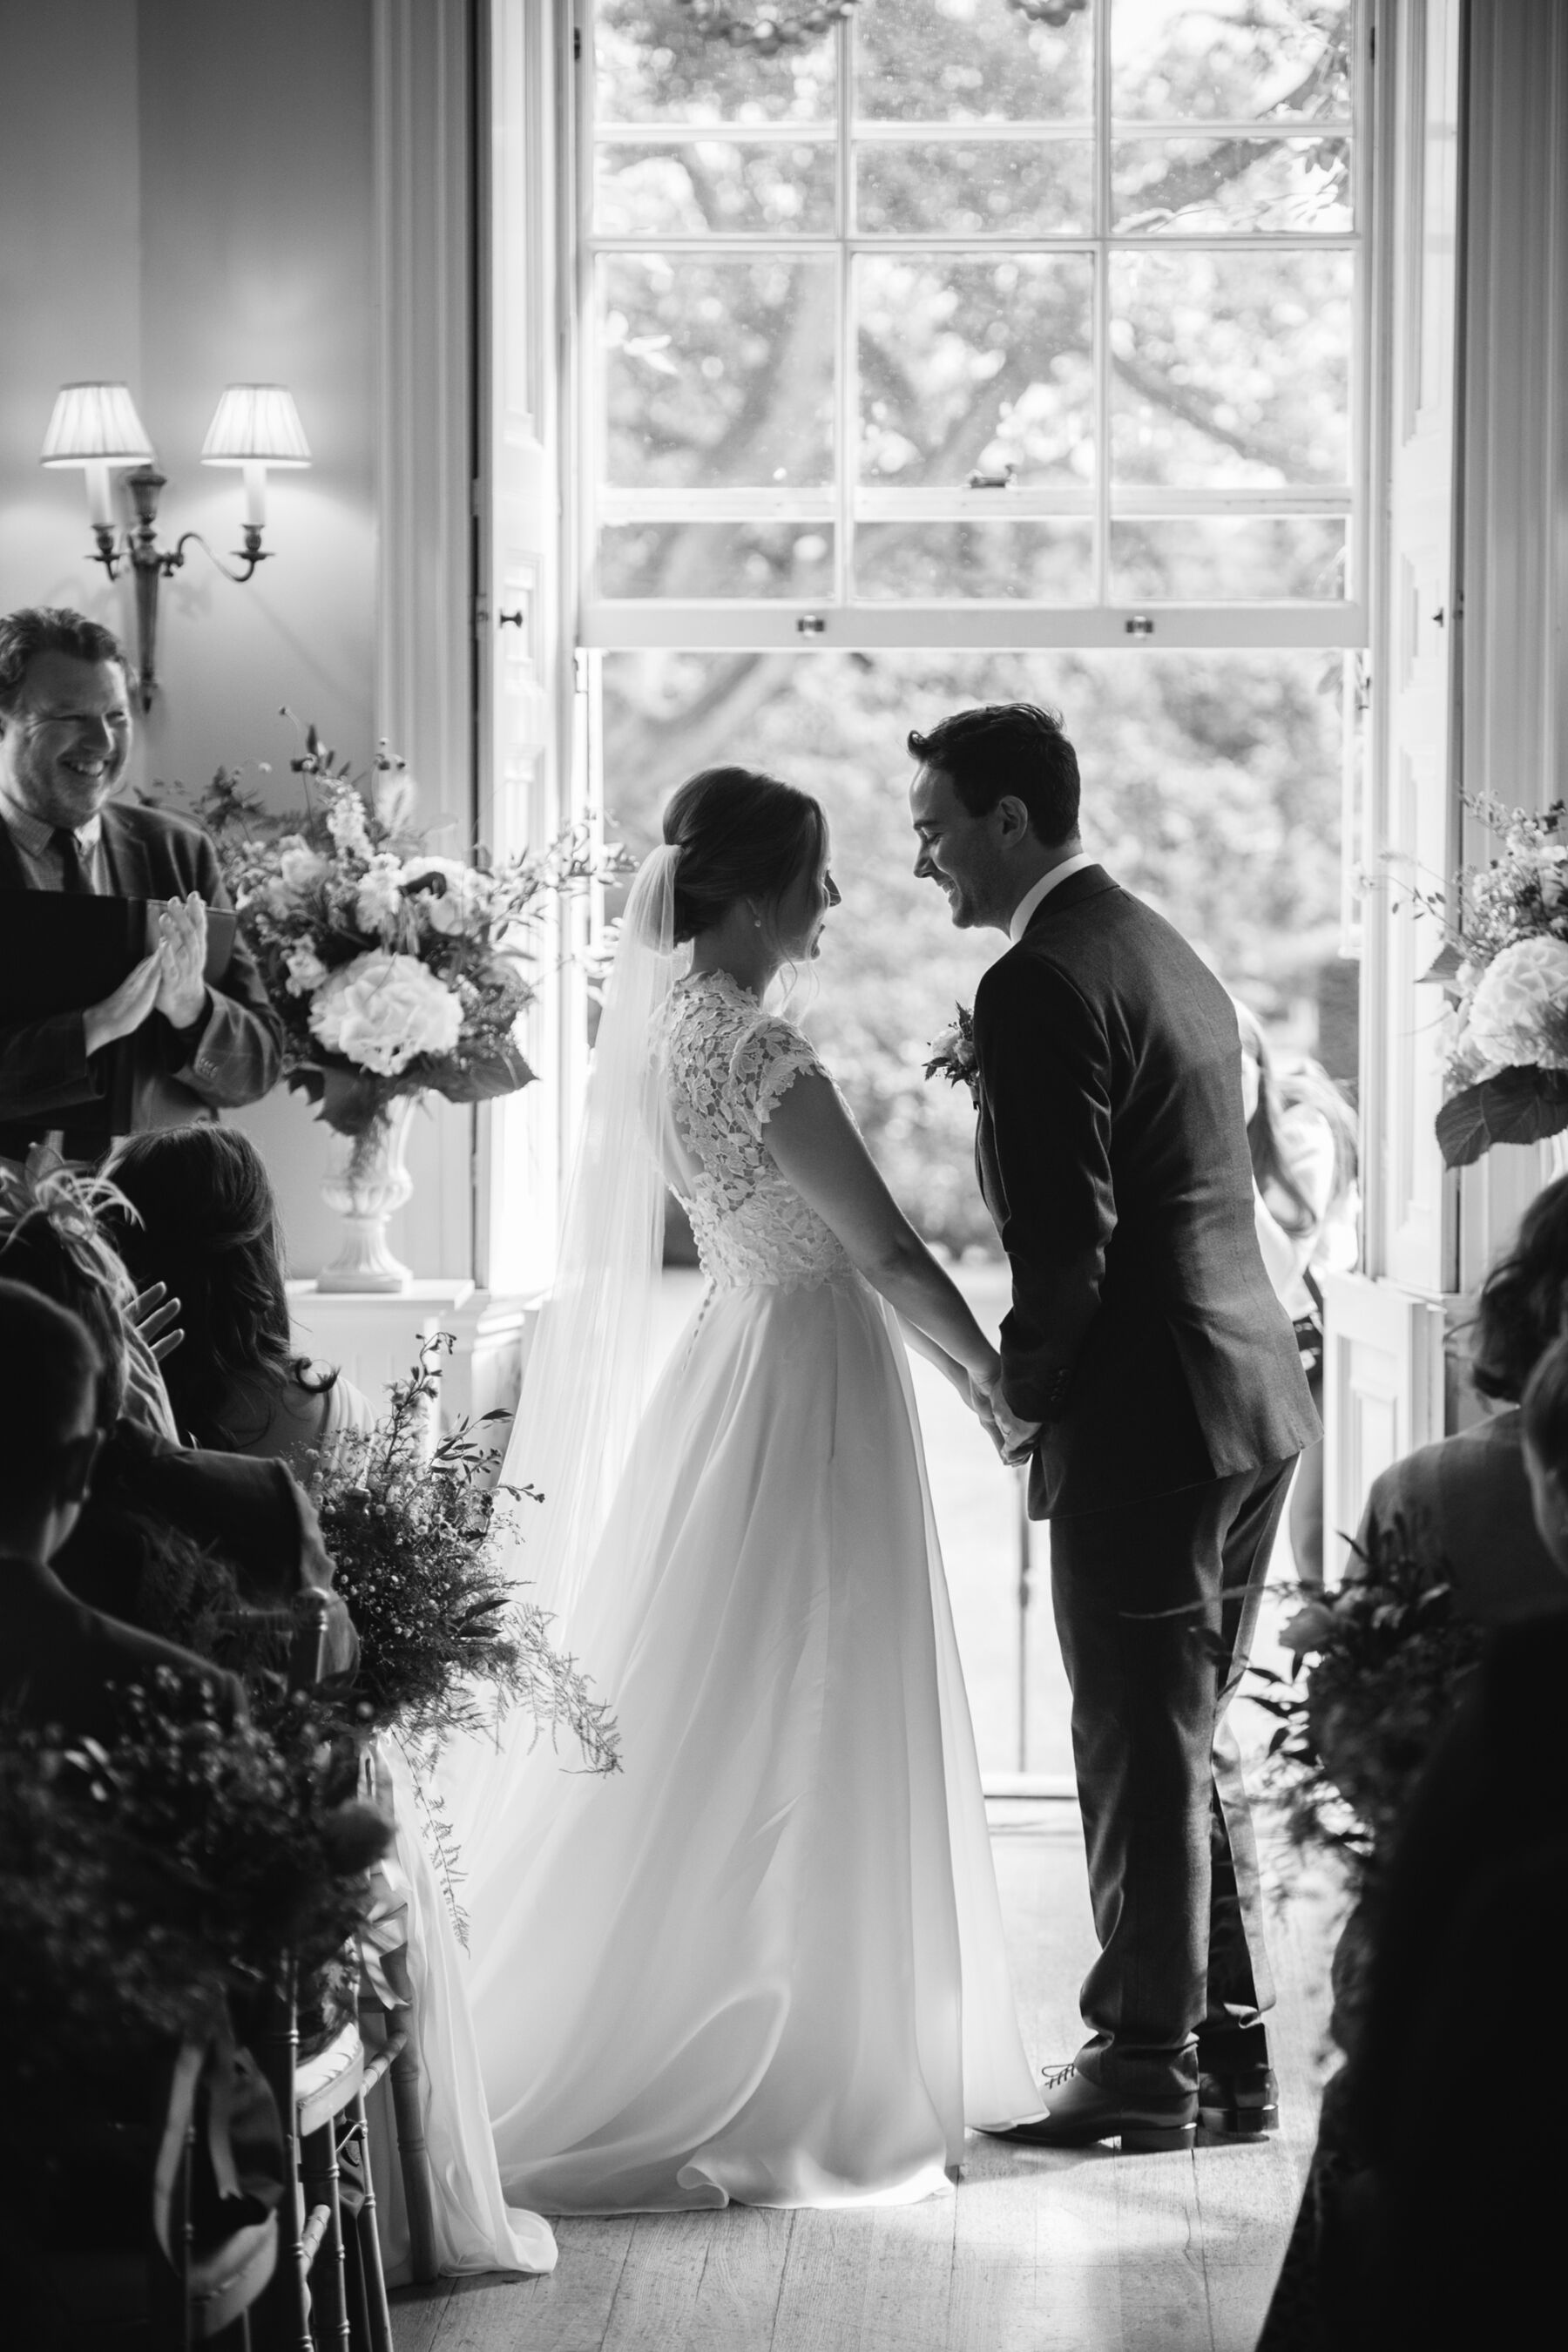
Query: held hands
1014,1439
169,980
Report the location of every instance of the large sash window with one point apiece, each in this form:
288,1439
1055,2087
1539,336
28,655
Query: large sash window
956,326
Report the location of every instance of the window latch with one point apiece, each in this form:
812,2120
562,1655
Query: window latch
1139,624
810,625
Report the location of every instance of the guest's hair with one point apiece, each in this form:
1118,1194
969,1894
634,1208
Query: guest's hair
49,629
1545,1410
52,1241
50,1368
1007,750
208,1228
1520,1309
740,835
1279,1091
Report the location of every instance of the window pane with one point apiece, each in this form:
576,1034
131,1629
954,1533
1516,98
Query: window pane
1230,61
1043,563
936,187
716,559
718,373
976,365
1225,558
691,191
970,61
652,65
1217,187
1230,369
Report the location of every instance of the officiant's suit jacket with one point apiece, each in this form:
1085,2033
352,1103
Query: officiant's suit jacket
47,1079
1112,1154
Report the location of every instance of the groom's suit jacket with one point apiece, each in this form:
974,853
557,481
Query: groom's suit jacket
47,1079
1112,1154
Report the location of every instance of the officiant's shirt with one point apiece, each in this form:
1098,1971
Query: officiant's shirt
42,855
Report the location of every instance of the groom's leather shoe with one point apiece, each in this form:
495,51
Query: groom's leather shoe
1078,2111
1241,2102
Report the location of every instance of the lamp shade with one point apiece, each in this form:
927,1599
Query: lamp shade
256,425
95,424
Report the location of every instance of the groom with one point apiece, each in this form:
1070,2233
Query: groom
1151,1379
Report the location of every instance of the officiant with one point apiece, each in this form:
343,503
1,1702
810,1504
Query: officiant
184,1030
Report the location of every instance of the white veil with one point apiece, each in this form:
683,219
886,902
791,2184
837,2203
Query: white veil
587,1380
587,1374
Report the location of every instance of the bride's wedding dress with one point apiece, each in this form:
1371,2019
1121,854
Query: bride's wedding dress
764,1962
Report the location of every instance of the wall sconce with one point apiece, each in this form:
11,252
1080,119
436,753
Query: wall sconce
95,425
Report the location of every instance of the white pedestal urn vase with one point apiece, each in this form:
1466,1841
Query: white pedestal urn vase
366,1182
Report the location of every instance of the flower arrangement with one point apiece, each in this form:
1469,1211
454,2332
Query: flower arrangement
1506,971
144,1887
393,969
953,1055
1390,1655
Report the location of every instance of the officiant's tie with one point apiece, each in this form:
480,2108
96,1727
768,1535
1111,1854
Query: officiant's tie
74,867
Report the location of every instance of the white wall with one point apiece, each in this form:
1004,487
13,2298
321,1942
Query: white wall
186,194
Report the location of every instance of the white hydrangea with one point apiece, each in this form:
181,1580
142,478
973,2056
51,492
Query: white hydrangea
382,1010
1518,1013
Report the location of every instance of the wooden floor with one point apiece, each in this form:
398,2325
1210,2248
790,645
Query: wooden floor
1036,2252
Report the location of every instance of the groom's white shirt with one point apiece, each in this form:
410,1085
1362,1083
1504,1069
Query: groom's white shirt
1043,887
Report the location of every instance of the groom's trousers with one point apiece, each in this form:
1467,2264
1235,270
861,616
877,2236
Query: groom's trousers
1155,1605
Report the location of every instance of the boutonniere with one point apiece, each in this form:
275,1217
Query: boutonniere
953,1055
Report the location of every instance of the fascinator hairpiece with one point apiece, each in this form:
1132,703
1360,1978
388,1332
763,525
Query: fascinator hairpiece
72,1204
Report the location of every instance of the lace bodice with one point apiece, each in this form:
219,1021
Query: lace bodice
728,1065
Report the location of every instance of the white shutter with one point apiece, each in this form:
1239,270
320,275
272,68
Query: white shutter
522,614
1383,1383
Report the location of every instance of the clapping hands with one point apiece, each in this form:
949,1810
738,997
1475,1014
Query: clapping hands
183,953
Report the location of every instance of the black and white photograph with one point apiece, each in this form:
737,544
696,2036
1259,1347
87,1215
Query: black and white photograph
784,1174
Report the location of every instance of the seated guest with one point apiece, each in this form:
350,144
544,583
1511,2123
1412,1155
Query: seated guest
206,1227
193,1046
1399,2239
60,1662
253,1515
1476,1908
1464,1501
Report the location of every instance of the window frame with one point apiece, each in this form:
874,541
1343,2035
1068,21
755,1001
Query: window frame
800,624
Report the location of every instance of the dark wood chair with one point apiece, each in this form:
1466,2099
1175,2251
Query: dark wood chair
175,2290
328,2289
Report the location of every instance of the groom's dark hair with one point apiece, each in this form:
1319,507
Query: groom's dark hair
1008,747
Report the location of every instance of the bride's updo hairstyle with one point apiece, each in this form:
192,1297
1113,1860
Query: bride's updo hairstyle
740,835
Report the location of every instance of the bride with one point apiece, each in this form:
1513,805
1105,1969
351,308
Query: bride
765,1962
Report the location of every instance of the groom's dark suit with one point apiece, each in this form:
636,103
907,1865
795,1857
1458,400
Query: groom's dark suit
1145,1336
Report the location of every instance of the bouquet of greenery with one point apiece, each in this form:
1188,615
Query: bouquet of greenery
446,1645
1390,1655
393,969
1504,966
